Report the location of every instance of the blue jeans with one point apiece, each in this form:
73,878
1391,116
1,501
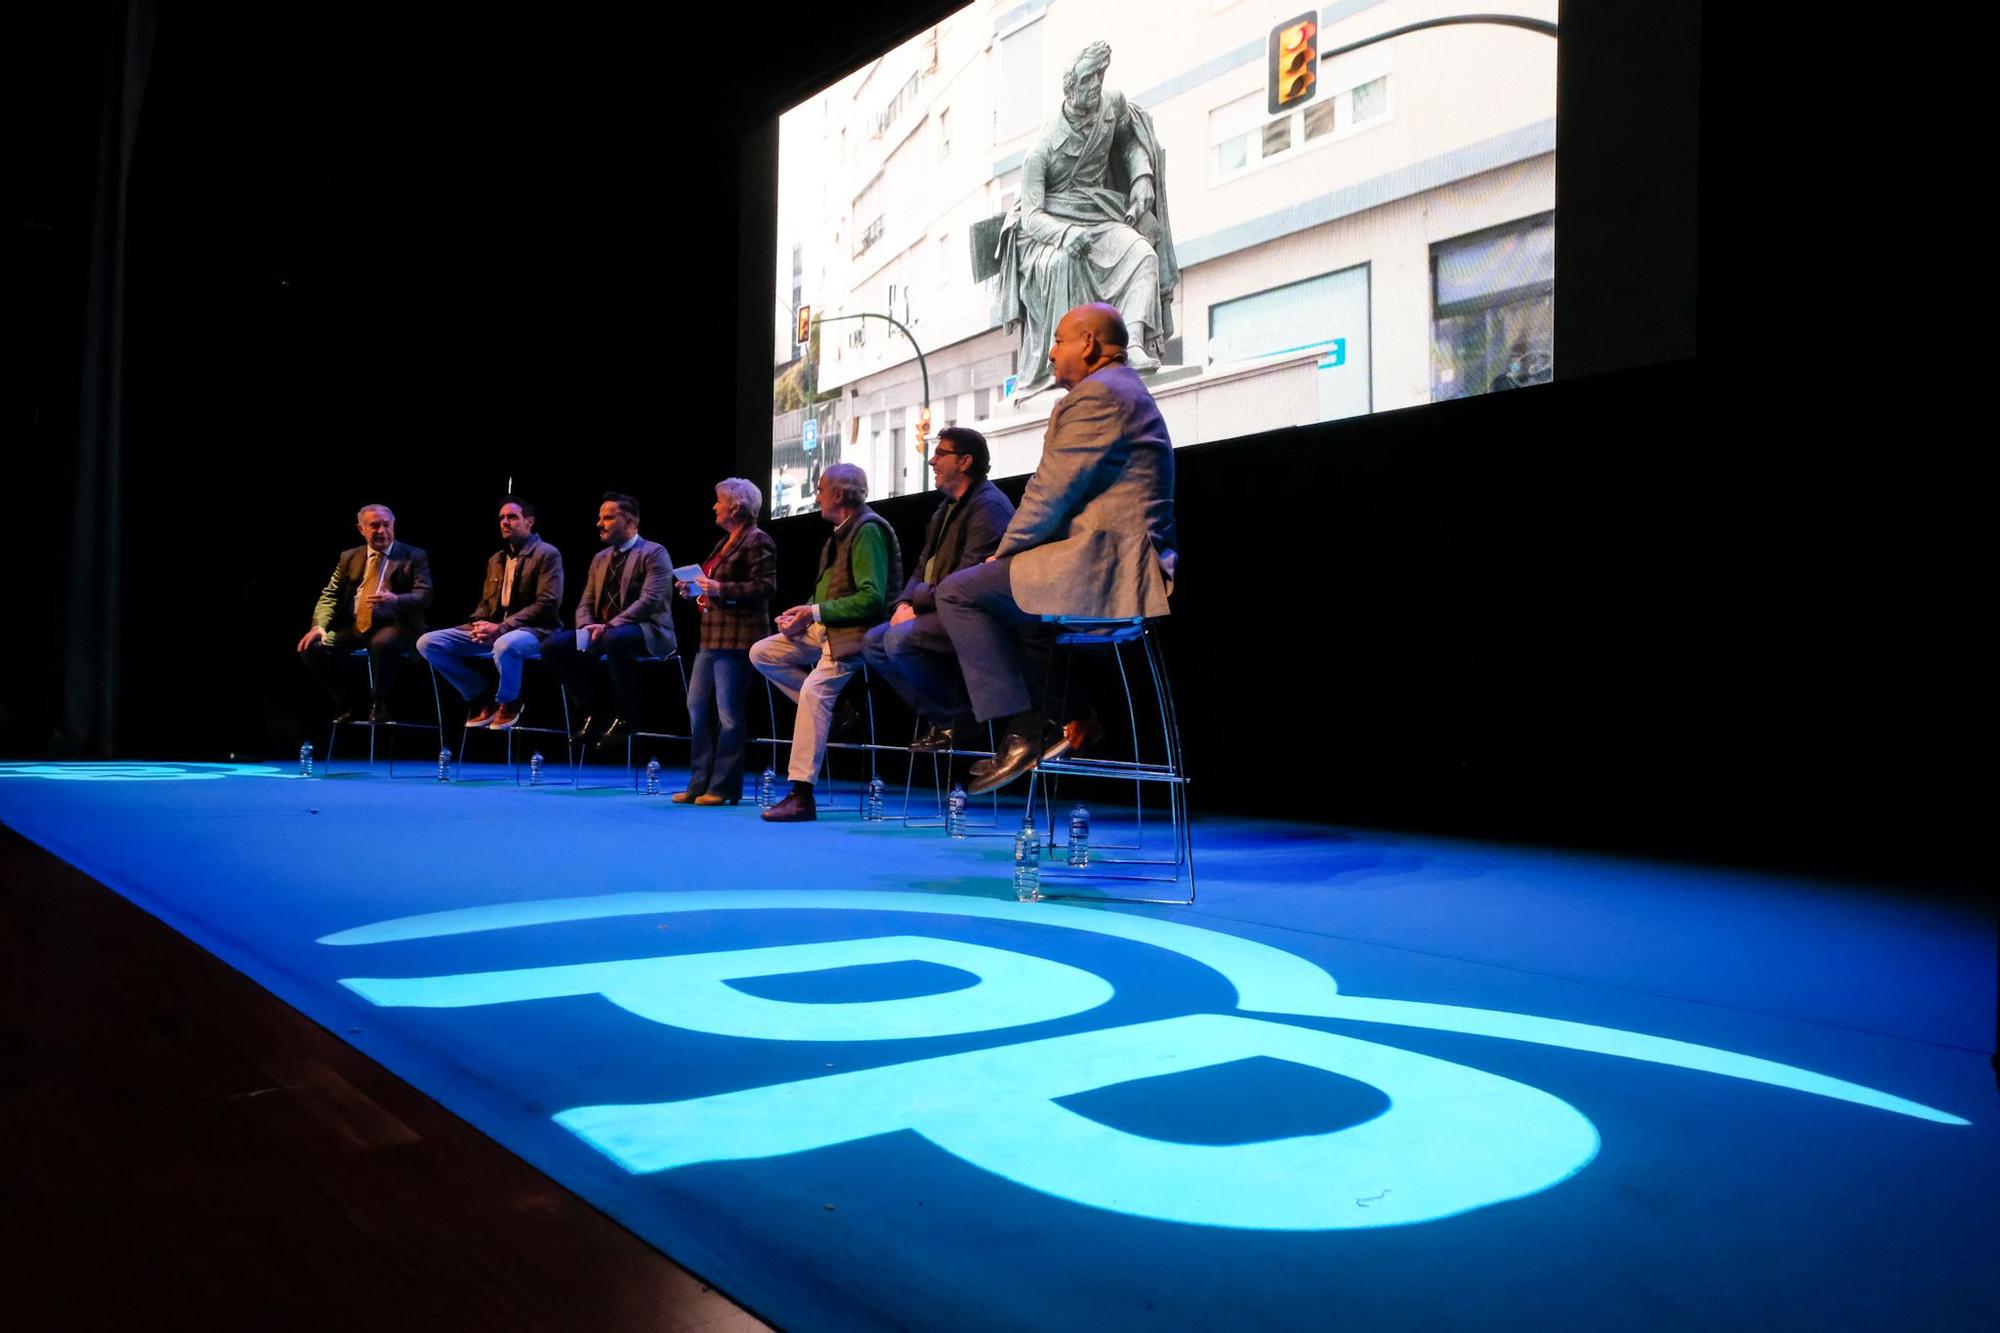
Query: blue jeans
718,692
452,652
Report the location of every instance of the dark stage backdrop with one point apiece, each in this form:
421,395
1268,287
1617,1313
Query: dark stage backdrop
1721,605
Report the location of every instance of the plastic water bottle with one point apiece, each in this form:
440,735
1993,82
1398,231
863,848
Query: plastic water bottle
306,760
1079,836
444,765
652,777
767,790
1028,861
954,811
872,804
535,769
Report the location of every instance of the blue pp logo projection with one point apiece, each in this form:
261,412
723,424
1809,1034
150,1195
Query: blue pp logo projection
1452,1138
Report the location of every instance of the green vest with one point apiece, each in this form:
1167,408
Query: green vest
836,567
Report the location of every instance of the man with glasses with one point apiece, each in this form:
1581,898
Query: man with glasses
911,650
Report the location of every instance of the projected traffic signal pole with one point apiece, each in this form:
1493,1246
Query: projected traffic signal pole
1295,54
923,370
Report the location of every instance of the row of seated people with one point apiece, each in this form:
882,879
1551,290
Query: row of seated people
961,638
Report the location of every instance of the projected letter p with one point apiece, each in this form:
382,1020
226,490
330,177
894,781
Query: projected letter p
693,991
1453,1139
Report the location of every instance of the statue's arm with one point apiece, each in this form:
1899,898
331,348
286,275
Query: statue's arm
1035,219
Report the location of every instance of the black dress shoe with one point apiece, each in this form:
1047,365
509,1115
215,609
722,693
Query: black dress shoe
346,715
934,740
847,721
1016,756
796,808
614,734
378,712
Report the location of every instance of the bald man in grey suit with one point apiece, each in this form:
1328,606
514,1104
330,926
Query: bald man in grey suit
1094,536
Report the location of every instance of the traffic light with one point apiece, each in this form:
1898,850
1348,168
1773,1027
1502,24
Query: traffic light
1294,64
805,325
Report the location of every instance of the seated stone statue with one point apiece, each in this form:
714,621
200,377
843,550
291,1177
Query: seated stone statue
1091,224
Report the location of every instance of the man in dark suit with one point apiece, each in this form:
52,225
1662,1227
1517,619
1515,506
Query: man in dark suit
1094,536
626,613
375,600
911,649
520,603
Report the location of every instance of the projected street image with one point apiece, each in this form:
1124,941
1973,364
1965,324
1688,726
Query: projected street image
1301,218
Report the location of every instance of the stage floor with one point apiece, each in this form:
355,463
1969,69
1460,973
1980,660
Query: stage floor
1369,1080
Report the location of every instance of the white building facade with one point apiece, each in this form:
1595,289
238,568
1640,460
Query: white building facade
1388,242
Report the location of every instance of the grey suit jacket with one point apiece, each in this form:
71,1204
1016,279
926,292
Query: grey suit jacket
649,587
405,571
1094,535
538,589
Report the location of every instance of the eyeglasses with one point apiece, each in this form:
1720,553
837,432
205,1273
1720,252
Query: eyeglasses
946,453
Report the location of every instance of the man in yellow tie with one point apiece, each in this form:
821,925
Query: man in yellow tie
375,599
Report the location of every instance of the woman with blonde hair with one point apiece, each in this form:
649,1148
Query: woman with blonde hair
734,592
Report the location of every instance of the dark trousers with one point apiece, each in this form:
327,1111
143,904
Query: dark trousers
718,707
1003,651
386,645
916,659
621,646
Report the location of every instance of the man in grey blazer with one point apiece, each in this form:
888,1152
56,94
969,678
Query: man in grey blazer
520,603
626,613
1094,536
911,650
375,599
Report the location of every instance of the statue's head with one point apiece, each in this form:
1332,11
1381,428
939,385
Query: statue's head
1083,81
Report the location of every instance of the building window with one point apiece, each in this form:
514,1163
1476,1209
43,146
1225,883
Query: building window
1353,97
1493,309
1370,100
944,134
868,217
1319,119
1017,107
1229,131
1327,315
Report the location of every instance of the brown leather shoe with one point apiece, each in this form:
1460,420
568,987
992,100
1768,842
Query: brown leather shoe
684,798
505,715
710,798
794,809
483,714
1078,735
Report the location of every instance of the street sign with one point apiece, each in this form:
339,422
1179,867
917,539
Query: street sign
1007,389
1334,356
809,440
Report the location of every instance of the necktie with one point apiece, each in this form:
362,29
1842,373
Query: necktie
611,597
371,582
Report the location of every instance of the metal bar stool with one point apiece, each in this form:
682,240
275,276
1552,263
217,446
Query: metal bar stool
579,752
1168,770
939,773
631,739
826,758
512,757
392,726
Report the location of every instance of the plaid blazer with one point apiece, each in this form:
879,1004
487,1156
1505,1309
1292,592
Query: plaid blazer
739,614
